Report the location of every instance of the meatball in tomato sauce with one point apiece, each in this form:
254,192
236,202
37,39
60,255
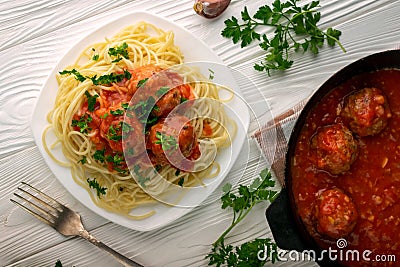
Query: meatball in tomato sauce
335,214
167,102
334,147
172,139
366,111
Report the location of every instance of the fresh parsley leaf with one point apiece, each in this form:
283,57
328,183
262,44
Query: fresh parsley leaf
141,179
241,204
211,74
101,80
294,27
83,160
141,83
181,181
83,123
95,185
117,112
91,100
95,56
110,78
78,76
144,108
126,127
162,91
105,115
125,106
118,51
113,133
167,142
246,254
99,155
116,159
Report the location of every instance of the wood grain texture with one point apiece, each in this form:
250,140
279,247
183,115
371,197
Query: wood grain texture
36,34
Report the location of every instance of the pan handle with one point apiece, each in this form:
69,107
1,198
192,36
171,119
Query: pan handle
282,223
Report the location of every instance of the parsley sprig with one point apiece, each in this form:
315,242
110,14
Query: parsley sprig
241,204
295,28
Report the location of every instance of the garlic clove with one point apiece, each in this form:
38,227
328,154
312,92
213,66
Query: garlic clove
210,8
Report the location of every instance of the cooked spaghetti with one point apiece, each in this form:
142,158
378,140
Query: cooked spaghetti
134,123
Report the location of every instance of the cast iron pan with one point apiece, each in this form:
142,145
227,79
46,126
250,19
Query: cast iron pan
286,226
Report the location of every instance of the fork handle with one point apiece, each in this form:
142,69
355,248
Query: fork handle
119,257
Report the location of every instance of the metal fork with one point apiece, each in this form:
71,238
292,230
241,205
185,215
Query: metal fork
61,218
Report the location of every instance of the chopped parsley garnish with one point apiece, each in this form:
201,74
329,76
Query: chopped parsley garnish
141,179
162,91
126,127
99,155
118,51
83,160
211,74
144,108
167,142
101,80
110,78
95,185
95,56
184,99
125,106
91,100
115,159
113,133
117,112
141,83
105,115
130,151
78,76
83,123
181,180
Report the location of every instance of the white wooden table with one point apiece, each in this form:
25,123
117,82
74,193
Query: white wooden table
34,35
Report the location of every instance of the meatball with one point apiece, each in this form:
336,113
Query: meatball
167,102
366,111
172,140
335,214
335,148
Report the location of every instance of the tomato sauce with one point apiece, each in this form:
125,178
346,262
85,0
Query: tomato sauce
373,181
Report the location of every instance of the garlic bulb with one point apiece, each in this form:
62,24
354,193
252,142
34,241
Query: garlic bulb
210,8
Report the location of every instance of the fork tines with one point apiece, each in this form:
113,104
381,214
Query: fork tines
37,203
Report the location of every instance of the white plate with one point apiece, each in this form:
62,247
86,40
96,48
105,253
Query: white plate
187,42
